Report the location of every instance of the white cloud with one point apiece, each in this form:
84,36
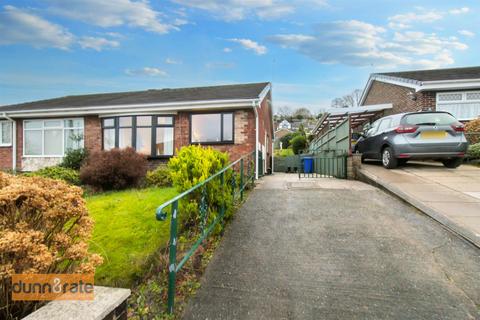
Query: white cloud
459,10
97,43
235,10
466,33
23,27
227,50
172,61
403,21
251,45
146,71
358,43
108,13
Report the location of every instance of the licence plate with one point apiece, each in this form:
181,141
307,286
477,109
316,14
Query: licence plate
433,134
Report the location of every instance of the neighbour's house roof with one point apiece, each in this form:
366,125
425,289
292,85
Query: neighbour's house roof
429,80
437,74
147,97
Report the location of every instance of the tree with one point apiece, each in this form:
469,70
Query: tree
302,113
285,140
284,112
348,101
298,143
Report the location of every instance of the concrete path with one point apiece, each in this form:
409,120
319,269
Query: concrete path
451,196
331,249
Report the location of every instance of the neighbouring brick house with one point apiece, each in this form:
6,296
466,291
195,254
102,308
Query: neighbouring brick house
455,90
233,118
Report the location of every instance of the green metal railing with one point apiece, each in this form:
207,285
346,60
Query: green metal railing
243,174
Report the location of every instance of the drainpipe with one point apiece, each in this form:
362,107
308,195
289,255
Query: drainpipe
14,141
255,105
273,154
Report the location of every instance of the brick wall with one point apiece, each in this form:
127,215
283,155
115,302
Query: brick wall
244,135
5,158
400,97
93,133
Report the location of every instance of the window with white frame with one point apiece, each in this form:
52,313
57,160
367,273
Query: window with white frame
52,137
5,133
462,105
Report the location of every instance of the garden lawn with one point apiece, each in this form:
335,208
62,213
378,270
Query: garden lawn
126,232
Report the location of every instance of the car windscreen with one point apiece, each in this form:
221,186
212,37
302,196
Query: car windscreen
433,118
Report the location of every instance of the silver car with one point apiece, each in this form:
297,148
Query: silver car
420,135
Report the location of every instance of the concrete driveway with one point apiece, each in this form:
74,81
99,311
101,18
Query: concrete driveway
336,249
451,196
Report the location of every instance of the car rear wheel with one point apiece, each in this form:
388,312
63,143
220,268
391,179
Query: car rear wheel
388,158
452,163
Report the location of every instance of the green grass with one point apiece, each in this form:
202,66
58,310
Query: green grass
126,232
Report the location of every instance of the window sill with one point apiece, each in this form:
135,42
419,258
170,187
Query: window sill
213,143
25,156
5,145
159,157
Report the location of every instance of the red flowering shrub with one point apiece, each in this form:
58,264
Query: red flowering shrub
44,228
114,170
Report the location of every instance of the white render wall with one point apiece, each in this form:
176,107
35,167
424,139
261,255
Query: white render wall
37,163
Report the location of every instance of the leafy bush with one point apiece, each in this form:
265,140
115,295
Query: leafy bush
44,228
285,140
74,158
284,153
473,127
114,170
160,177
299,143
58,173
474,151
192,165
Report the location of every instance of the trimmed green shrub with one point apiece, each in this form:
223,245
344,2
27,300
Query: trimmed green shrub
74,158
474,151
472,130
114,170
68,175
160,177
299,143
192,165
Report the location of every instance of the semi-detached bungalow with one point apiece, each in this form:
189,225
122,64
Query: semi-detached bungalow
157,123
456,90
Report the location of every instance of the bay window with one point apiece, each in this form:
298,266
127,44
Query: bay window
212,128
149,135
53,137
5,133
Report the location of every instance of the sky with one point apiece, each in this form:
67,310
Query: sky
311,50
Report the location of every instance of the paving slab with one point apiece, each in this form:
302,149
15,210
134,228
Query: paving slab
450,196
315,252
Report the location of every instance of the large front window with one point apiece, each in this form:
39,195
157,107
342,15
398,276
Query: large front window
5,133
462,105
212,128
53,137
149,135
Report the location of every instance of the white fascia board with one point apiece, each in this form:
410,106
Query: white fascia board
264,92
450,84
136,108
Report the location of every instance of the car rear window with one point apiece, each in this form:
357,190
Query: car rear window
434,118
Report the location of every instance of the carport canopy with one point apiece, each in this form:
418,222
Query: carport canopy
358,116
